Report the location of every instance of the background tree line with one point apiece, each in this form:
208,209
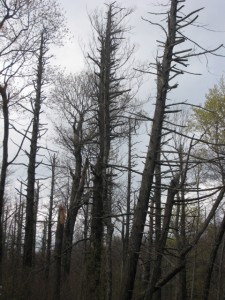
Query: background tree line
87,221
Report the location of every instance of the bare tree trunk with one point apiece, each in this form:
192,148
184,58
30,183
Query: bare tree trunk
44,241
75,204
84,282
36,203
158,212
150,250
219,286
207,281
127,233
49,226
181,238
163,75
95,255
109,233
58,252
100,182
20,225
29,226
111,96
4,166
172,191
193,243
49,239
182,275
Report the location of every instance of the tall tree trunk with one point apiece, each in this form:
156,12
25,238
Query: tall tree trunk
58,252
158,212
100,181
163,76
156,272
150,250
209,271
36,203
221,260
44,241
4,166
109,233
20,225
182,275
109,88
29,226
127,232
50,210
49,225
95,253
167,277
75,204
84,282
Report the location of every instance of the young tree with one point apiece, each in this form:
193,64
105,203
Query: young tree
209,122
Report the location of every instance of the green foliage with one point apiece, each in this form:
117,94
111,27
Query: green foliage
211,119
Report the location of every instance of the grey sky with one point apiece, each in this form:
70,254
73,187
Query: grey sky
192,88
144,35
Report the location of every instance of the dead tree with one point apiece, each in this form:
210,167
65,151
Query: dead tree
4,167
14,43
58,252
49,220
49,30
74,206
30,197
211,263
166,69
71,100
163,73
111,96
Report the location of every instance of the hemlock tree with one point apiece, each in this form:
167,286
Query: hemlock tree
49,29
166,69
93,118
109,59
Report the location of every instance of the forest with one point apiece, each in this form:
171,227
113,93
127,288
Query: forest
104,194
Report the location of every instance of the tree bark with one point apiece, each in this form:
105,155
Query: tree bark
209,271
29,226
163,72
127,232
51,200
58,252
192,244
172,191
75,204
5,101
105,97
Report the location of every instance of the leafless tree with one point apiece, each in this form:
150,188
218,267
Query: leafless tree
112,95
166,68
72,101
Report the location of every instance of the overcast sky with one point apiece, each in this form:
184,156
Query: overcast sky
191,88
144,36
